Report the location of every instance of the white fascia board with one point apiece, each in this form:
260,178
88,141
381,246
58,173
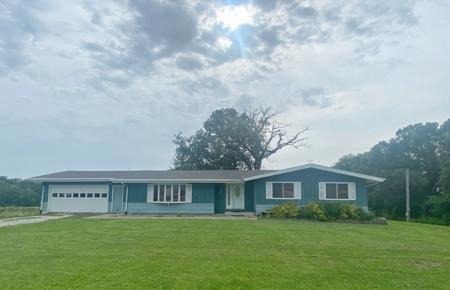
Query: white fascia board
319,167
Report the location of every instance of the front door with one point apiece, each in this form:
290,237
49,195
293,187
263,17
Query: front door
117,198
235,196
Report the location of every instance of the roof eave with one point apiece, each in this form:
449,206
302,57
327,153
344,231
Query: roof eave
318,167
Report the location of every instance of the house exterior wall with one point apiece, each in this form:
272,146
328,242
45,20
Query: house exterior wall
210,198
309,179
202,200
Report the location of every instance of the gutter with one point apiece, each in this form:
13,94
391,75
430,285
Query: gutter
126,198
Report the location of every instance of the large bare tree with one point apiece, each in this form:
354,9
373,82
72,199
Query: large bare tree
233,140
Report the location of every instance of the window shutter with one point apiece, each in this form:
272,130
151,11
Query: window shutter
188,193
322,190
351,191
269,190
297,190
149,192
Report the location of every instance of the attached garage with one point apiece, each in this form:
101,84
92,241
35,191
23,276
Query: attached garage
78,198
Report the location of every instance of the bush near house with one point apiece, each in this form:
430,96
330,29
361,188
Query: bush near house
321,212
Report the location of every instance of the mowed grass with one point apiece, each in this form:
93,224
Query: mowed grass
11,212
223,254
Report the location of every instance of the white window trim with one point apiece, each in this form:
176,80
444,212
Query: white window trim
336,183
187,188
299,185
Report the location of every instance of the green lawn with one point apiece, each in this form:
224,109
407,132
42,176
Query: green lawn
10,212
187,253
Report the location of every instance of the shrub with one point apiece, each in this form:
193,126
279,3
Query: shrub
285,210
315,211
349,212
332,210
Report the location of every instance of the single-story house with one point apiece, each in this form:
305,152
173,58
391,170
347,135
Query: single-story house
199,191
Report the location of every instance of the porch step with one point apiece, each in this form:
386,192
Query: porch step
240,213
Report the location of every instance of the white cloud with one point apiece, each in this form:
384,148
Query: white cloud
105,85
223,43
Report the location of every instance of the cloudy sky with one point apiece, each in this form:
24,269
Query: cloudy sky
106,84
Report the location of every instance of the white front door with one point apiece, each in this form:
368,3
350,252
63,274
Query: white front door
235,196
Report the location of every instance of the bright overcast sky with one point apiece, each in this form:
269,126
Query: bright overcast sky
106,84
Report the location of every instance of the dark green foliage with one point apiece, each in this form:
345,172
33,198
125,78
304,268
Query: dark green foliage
328,211
425,150
314,210
285,210
18,192
233,140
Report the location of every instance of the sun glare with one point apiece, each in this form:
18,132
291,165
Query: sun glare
233,16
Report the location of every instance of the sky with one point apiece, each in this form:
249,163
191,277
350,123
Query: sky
105,85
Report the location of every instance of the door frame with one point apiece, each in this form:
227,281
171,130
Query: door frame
230,196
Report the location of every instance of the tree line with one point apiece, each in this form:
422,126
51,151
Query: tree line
19,192
424,149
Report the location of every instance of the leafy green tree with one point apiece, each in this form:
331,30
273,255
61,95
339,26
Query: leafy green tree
18,192
233,140
414,147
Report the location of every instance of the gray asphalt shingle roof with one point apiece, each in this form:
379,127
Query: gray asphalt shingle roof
156,174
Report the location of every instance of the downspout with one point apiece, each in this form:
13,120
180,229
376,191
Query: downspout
126,198
42,199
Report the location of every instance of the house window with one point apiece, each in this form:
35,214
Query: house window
61,195
169,193
89,195
54,195
68,195
97,195
104,195
337,191
175,192
82,194
283,190
75,195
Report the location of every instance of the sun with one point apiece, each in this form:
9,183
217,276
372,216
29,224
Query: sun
232,16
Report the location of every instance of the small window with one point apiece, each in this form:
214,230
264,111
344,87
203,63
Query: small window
104,195
68,195
175,192
331,191
277,190
96,195
82,194
54,195
337,191
161,193
168,193
61,195
75,195
182,193
283,190
343,191
155,192
89,195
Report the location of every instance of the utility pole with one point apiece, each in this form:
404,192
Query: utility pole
408,210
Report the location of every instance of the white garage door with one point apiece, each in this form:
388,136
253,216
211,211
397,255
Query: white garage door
78,198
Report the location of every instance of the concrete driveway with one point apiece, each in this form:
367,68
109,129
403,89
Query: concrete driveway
29,220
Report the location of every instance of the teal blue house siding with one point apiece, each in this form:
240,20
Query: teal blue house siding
310,179
220,198
249,198
202,200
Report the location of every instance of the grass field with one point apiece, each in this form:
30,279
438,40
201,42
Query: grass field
187,254
10,212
